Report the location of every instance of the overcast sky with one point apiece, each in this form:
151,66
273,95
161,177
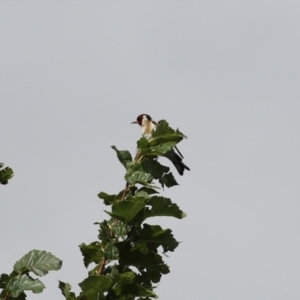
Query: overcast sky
74,74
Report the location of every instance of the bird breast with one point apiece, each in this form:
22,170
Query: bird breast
147,129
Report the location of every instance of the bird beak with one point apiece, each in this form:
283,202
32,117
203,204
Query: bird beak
135,122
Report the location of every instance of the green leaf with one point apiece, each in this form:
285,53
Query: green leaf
104,232
114,276
124,156
118,228
143,173
150,261
155,236
19,284
163,129
168,180
5,294
154,168
66,290
169,140
163,139
92,253
38,262
139,177
127,277
142,247
4,278
142,143
109,199
163,147
111,252
162,206
119,279
127,211
94,286
22,296
145,192
5,174
149,264
134,290
146,278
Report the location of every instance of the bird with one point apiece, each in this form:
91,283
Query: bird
148,126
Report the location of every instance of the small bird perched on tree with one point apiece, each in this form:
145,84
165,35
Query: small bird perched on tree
148,125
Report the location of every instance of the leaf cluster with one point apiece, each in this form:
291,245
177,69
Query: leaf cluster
5,174
145,168
20,280
126,262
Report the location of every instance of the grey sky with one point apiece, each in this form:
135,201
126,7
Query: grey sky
73,77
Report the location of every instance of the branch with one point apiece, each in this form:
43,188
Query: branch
101,267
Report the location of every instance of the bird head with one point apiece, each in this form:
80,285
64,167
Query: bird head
147,124
143,119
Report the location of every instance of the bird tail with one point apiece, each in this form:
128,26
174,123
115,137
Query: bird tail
177,161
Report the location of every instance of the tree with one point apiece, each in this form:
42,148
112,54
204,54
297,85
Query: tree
127,258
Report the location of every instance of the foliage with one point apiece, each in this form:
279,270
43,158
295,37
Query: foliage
5,174
127,259
20,280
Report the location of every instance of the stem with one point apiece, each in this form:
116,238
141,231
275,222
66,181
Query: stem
125,191
101,267
138,156
7,295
